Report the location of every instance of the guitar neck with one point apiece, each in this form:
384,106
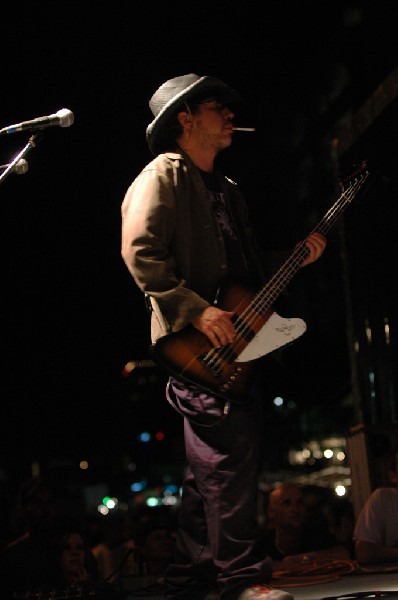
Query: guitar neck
267,296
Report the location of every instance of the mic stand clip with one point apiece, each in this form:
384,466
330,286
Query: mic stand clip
31,144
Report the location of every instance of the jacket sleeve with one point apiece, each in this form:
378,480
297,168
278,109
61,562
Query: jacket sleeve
148,225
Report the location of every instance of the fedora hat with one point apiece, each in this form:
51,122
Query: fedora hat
170,97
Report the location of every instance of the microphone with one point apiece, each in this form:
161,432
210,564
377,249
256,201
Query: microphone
62,118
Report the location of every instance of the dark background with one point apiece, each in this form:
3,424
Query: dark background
71,315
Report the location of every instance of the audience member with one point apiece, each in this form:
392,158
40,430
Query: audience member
326,510
73,563
376,530
133,552
290,537
155,544
26,561
50,553
341,521
315,498
114,550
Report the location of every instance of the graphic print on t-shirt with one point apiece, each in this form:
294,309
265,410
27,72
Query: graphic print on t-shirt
222,215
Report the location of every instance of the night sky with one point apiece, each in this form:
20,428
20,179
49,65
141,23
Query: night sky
71,314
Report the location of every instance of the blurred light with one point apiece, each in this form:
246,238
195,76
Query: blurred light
103,510
160,436
139,499
111,503
145,436
328,453
278,401
386,330
296,457
83,465
138,486
132,466
340,490
134,364
368,331
170,489
152,501
169,500
340,455
306,453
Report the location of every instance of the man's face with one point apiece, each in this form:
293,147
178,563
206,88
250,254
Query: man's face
212,124
287,508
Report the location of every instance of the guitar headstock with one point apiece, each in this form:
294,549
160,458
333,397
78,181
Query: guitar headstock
357,175
356,170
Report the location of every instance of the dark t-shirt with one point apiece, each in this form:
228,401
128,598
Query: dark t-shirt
311,539
236,266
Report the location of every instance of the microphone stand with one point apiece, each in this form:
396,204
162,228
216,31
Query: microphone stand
31,144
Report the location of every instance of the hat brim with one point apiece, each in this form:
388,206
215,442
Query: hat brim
201,87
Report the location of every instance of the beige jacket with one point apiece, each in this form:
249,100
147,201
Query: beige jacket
172,243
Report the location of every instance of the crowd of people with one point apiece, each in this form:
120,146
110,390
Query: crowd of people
54,548
58,549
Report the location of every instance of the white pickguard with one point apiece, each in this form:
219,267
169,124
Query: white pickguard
274,334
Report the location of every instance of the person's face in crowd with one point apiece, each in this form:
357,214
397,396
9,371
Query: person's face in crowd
287,508
73,554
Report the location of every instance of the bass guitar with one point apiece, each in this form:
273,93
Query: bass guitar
225,372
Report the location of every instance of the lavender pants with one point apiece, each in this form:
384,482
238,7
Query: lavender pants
217,522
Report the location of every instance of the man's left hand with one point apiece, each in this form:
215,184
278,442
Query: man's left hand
316,244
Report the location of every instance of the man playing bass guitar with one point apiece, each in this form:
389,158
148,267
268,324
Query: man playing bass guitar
185,230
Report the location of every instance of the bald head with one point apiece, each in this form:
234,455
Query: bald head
284,491
286,506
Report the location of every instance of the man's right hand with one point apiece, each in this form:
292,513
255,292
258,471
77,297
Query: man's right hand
216,324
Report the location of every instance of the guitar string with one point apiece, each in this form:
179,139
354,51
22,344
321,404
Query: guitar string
246,322
284,276
274,288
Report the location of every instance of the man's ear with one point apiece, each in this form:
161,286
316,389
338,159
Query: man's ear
184,118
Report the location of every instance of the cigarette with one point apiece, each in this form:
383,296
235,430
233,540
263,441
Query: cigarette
244,129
